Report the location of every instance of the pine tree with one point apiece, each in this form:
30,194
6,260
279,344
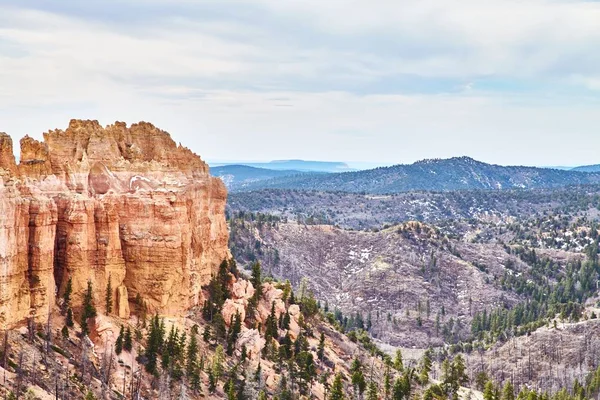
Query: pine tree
219,326
321,348
109,296
69,320
372,393
508,392
489,393
212,382
65,332
425,368
89,311
398,391
217,363
128,340
285,321
398,364
90,396
170,352
206,334
191,357
358,379
224,279
67,296
230,390
154,344
234,331
258,373
387,382
337,389
271,330
119,342
244,354
256,280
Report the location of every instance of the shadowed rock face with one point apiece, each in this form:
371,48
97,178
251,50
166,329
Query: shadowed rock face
119,203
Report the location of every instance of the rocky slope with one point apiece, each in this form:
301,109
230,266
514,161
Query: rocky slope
118,203
73,366
406,277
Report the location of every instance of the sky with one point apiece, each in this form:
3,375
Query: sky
380,81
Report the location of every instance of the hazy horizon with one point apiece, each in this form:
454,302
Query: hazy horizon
359,165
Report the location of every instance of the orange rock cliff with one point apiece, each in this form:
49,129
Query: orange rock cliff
119,203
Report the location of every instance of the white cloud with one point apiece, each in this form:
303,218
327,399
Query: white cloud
355,80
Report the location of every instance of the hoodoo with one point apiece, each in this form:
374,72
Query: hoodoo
116,203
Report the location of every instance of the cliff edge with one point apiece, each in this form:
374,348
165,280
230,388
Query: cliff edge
116,203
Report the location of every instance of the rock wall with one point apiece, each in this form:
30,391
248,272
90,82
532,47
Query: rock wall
119,203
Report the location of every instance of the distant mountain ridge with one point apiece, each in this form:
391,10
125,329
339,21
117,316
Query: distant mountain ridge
456,173
587,168
238,177
295,165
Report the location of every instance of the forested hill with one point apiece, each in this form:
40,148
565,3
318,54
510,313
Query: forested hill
457,173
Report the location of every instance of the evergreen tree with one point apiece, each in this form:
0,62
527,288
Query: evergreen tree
387,383
66,305
109,296
212,382
219,327
229,389
425,368
234,331
271,330
398,391
192,366
372,393
508,391
285,321
398,364
119,342
127,340
321,348
192,356
358,378
65,332
244,354
489,393
171,349
89,311
256,281
307,370
217,362
206,334
154,344
337,389
454,375
69,320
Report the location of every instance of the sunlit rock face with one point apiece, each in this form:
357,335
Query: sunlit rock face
118,203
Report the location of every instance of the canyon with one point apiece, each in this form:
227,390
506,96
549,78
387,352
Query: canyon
121,207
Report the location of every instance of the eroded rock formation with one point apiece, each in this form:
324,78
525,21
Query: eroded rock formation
117,203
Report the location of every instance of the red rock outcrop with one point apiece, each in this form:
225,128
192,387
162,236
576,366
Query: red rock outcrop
125,204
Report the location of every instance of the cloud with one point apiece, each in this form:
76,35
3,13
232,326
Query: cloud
349,79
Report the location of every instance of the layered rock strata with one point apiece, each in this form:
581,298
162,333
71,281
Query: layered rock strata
117,203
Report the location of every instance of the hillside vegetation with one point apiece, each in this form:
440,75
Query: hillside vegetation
439,175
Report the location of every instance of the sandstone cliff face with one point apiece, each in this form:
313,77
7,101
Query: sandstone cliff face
119,203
